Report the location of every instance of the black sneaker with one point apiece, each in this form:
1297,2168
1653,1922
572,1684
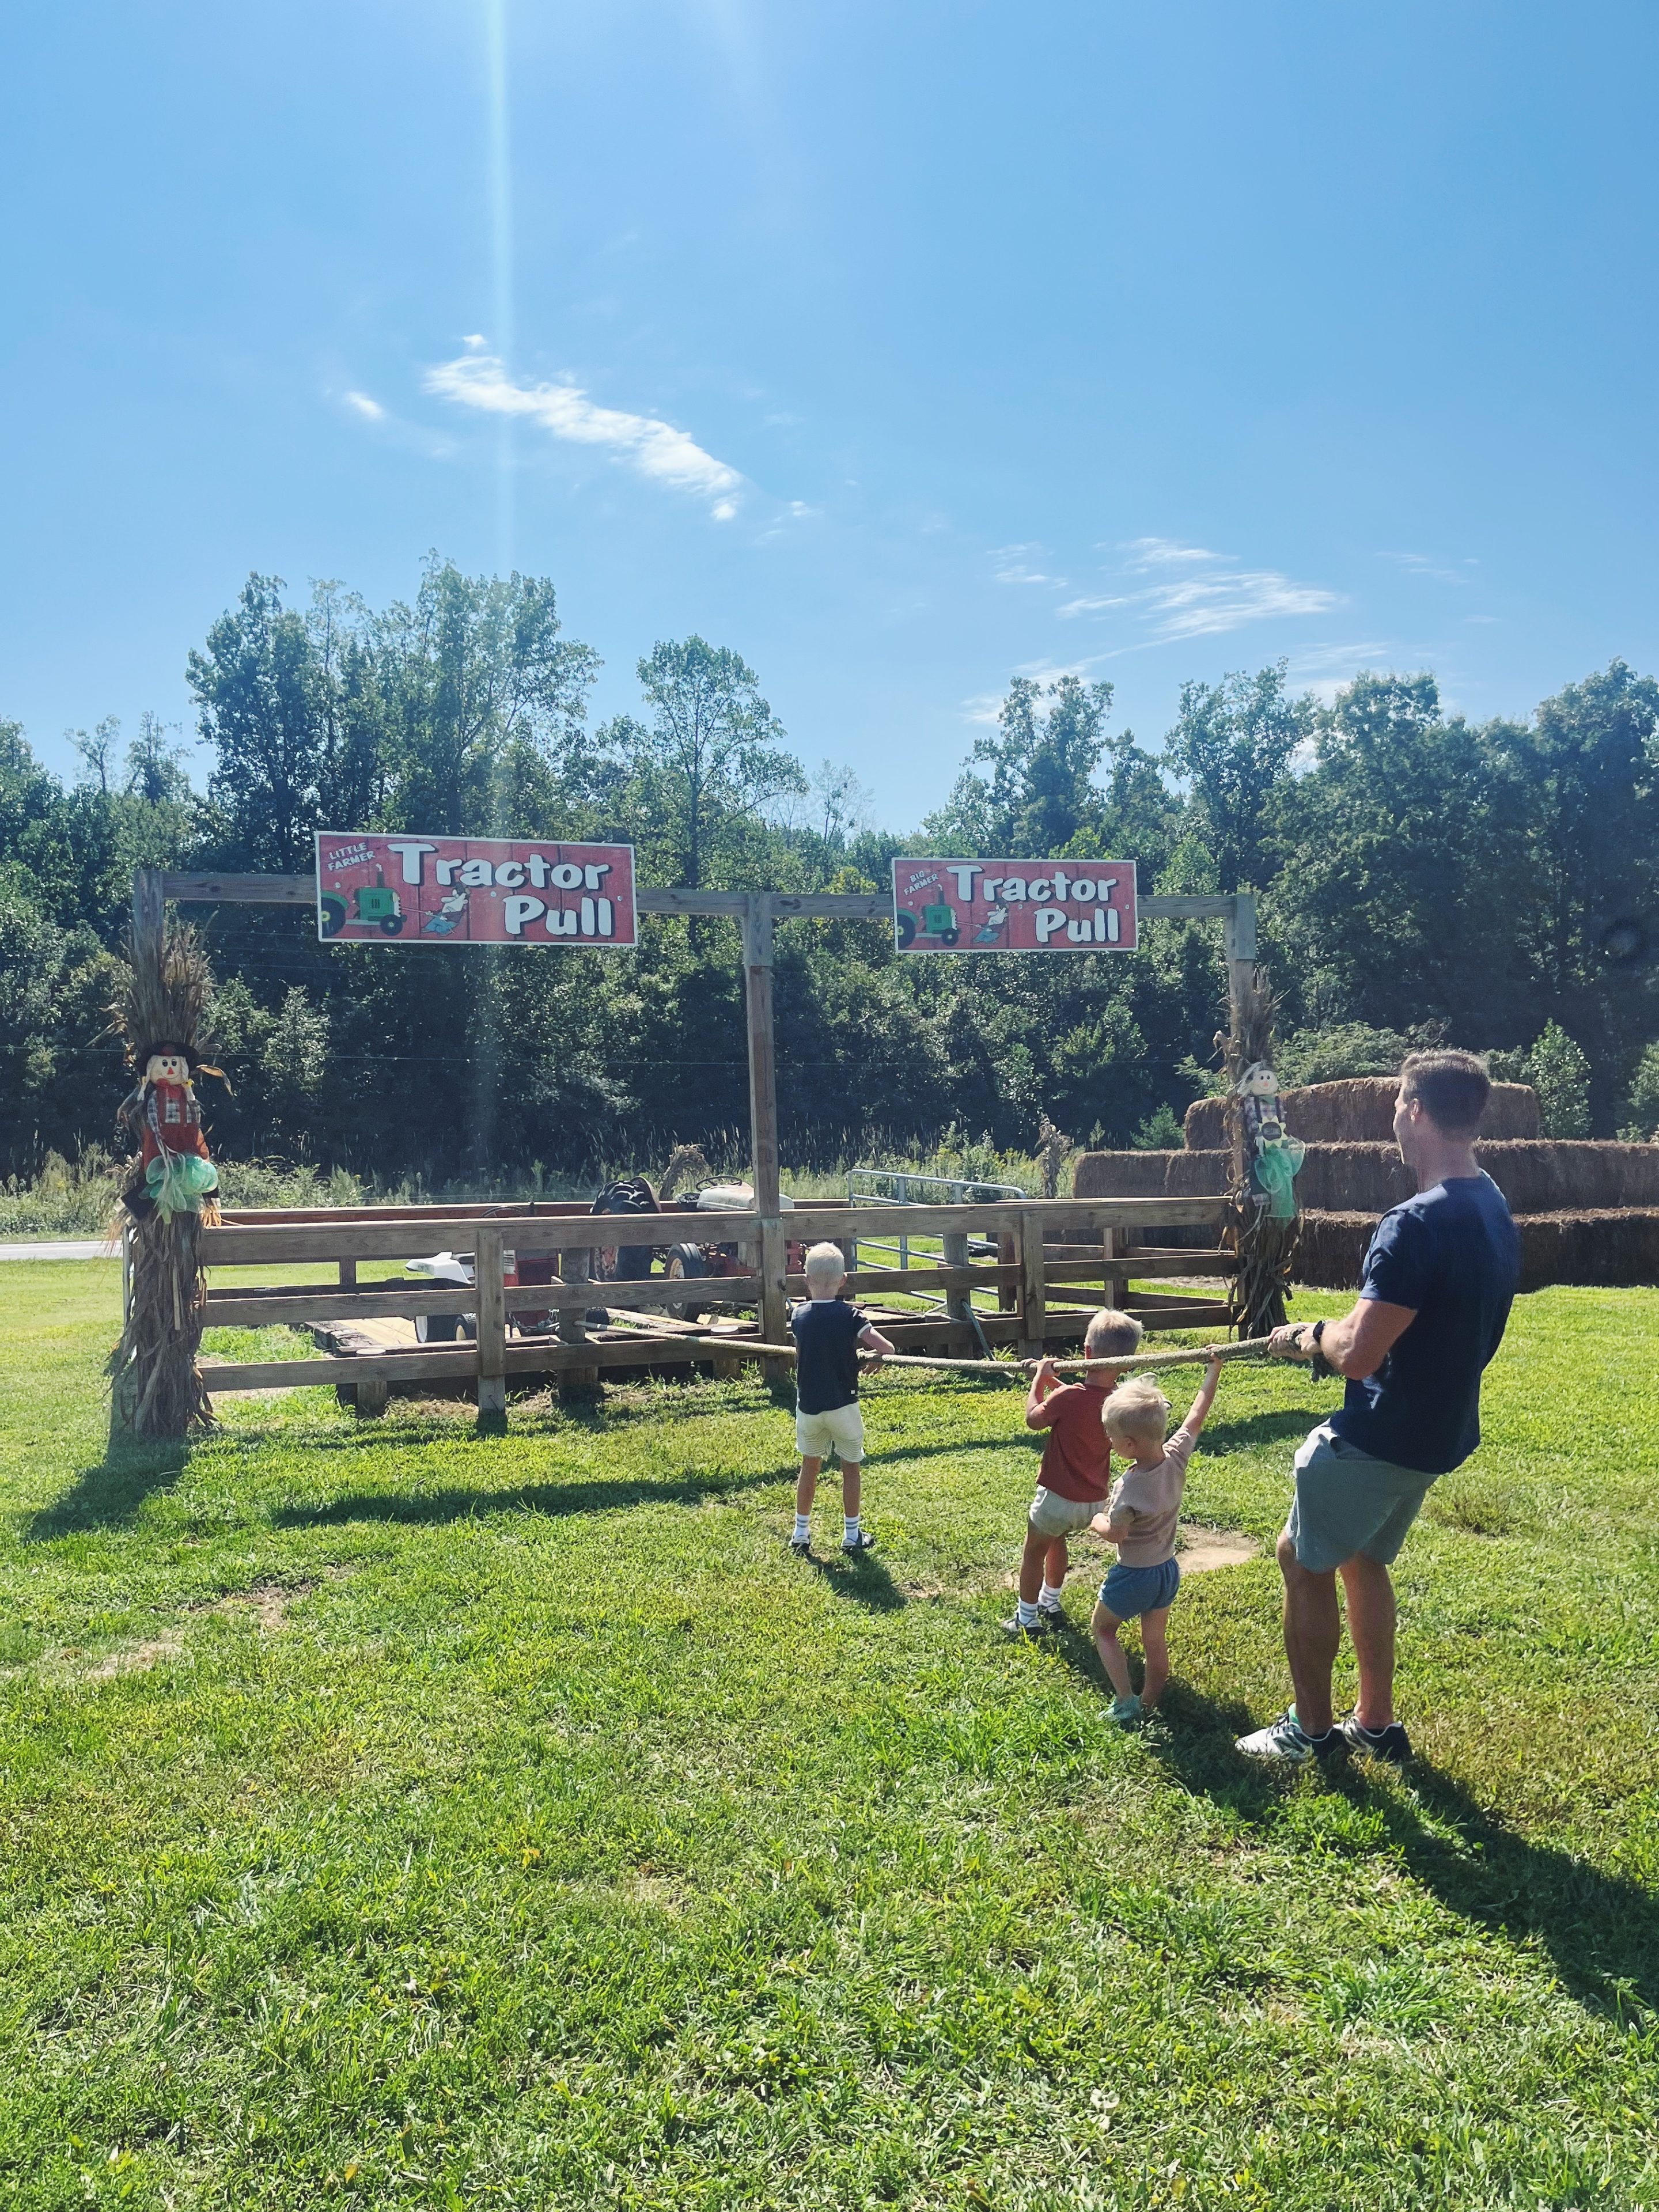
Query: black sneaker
1391,1743
1015,1627
800,1546
1053,1617
856,1547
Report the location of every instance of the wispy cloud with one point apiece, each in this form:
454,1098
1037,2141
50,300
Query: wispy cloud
392,430
1420,564
1165,553
1325,670
655,448
1199,594
1016,566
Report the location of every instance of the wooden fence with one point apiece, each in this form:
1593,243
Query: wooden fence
1083,1249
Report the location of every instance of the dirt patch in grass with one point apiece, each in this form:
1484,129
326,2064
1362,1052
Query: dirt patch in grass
1201,1551
134,1658
267,1602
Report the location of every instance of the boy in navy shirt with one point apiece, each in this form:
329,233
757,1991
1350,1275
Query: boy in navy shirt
828,1333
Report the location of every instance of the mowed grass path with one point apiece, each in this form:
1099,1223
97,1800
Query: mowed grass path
402,1817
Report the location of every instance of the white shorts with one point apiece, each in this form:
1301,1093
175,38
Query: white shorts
841,1426
1054,1516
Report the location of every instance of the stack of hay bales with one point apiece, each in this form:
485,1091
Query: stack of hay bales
1587,1212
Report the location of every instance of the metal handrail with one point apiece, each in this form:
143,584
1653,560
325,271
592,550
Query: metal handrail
908,1189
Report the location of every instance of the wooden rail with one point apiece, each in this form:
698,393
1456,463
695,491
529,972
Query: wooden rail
1043,1243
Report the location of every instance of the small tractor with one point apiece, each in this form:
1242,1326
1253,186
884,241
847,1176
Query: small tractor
937,921
376,903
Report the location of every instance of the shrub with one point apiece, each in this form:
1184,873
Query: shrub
1559,1072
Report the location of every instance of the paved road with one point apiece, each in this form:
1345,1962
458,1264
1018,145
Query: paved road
85,1249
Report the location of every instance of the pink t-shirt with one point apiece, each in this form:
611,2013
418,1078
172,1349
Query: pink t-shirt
1149,1499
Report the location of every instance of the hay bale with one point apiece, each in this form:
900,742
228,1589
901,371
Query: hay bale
1156,1174
1609,1247
1558,1175
1359,1110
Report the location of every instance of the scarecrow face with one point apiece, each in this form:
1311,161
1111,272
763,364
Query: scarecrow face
167,1068
1259,1081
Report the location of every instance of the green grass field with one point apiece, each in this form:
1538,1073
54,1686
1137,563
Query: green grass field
395,1816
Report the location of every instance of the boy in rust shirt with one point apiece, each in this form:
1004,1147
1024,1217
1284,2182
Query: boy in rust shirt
1075,1478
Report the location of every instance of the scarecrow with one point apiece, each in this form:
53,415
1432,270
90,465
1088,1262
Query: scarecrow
1272,1159
160,1011
176,1174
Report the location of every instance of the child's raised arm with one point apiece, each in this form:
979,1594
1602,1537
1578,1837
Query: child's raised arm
1206,1398
1043,1380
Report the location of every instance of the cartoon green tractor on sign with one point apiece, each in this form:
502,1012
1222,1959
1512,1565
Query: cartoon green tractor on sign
376,903
937,921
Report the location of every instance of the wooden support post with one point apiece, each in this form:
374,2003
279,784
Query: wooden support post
370,1398
575,1381
1033,1287
348,1274
489,1297
1115,1286
959,1305
148,915
757,932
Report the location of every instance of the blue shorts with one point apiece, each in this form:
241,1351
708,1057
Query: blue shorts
1130,1591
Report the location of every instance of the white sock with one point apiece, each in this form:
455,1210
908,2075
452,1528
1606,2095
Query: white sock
1052,1595
1027,1614
849,1534
803,1527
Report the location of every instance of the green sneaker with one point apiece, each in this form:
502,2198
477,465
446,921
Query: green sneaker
1126,1711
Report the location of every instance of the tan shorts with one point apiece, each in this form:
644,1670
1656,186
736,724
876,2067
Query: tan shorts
843,1426
1054,1515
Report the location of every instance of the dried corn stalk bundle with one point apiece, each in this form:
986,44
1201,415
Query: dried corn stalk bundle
1265,1248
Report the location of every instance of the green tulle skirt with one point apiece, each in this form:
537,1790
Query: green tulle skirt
179,1182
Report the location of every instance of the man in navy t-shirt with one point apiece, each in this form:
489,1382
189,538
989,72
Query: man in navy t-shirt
1435,1294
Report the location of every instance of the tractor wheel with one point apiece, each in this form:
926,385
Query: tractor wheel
949,936
685,1263
392,925
437,1329
633,1263
907,930
331,914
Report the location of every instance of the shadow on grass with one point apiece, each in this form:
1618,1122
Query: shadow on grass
460,1502
1600,1930
864,1580
1257,1430
111,1494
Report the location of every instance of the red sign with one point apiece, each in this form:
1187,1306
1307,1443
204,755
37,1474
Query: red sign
1014,906
372,889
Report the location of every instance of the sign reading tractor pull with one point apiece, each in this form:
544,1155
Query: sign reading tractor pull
1014,906
473,890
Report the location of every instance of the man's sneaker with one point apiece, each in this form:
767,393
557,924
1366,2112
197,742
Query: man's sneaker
1287,1740
856,1547
1391,1743
1042,1625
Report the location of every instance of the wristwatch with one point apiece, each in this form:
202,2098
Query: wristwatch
1321,1366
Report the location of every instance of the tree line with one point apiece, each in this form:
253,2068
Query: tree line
1422,878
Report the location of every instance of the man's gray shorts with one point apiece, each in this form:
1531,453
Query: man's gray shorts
1347,1501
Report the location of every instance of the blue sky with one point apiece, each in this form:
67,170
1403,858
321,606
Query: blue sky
901,347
